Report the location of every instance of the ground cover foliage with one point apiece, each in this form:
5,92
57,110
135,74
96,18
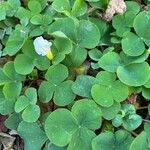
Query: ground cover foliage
91,89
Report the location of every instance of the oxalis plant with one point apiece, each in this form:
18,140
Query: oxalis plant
69,80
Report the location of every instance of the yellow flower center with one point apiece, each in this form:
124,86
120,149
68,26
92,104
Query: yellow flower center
50,55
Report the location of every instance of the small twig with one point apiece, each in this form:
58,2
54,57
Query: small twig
144,107
145,120
132,132
91,10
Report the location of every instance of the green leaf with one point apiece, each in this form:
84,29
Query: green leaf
63,94
107,84
23,64
61,6
36,19
59,127
6,106
9,93
110,61
140,142
87,113
130,59
31,94
56,74
121,140
3,77
142,29
147,84
83,84
63,45
42,63
87,32
66,26
15,41
110,112
51,146
13,121
76,57
28,49
134,74
95,54
81,139
105,78
105,141
33,136
120,91
46,91
21,103
31,113
146,93
34,6
2,12
132,45
79,8
11,73
129,17
127,117
132,6
101,96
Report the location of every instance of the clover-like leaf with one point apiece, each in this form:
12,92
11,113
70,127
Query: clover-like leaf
132,6
27,105
63,45
60,25
59,127
95,54
76,57
101,96
56,74
13,121
74,128
31,94
83,84
107,84
146,93
128,118
32,132
6,106
63,94
31,113
21,103
23,64
15,41
110,61
87,32
82,139
11,80
110,112
140,142
132,45
120,140
45,91
61,6
35,6
142,29
134,74
87,113
79,8
126,60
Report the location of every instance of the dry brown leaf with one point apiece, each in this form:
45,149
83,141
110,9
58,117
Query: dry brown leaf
114,7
